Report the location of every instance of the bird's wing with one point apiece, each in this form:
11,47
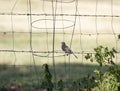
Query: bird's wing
68,50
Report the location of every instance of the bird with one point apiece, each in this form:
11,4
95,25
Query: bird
67,50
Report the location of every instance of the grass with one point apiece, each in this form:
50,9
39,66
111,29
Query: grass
43,42
27,76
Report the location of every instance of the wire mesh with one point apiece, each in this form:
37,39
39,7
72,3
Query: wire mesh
32,33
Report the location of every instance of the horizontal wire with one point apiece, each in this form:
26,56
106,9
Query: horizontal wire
28,14
5,33
56,51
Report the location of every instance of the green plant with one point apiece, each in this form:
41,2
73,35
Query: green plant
47,83
102,55
110,79
87,82
3,88
60,85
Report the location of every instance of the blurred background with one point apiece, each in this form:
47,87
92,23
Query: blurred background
94,23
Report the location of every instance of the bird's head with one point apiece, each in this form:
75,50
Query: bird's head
63,43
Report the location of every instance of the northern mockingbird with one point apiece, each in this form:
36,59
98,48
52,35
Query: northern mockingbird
67,50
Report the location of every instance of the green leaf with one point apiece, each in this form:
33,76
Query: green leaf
112,54
106,49
113,49
88,56
91,59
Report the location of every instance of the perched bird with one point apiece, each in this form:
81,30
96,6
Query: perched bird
67,50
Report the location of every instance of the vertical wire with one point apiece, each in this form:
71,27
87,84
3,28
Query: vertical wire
43,8
54,31
81,46
62,21
13,36
76,9
31,48
116,47
30,67
63,30
12,26
63,39
80,36
96,22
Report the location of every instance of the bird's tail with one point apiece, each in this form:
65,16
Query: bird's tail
75,55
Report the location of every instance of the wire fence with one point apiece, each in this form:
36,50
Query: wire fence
76,18
38,31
